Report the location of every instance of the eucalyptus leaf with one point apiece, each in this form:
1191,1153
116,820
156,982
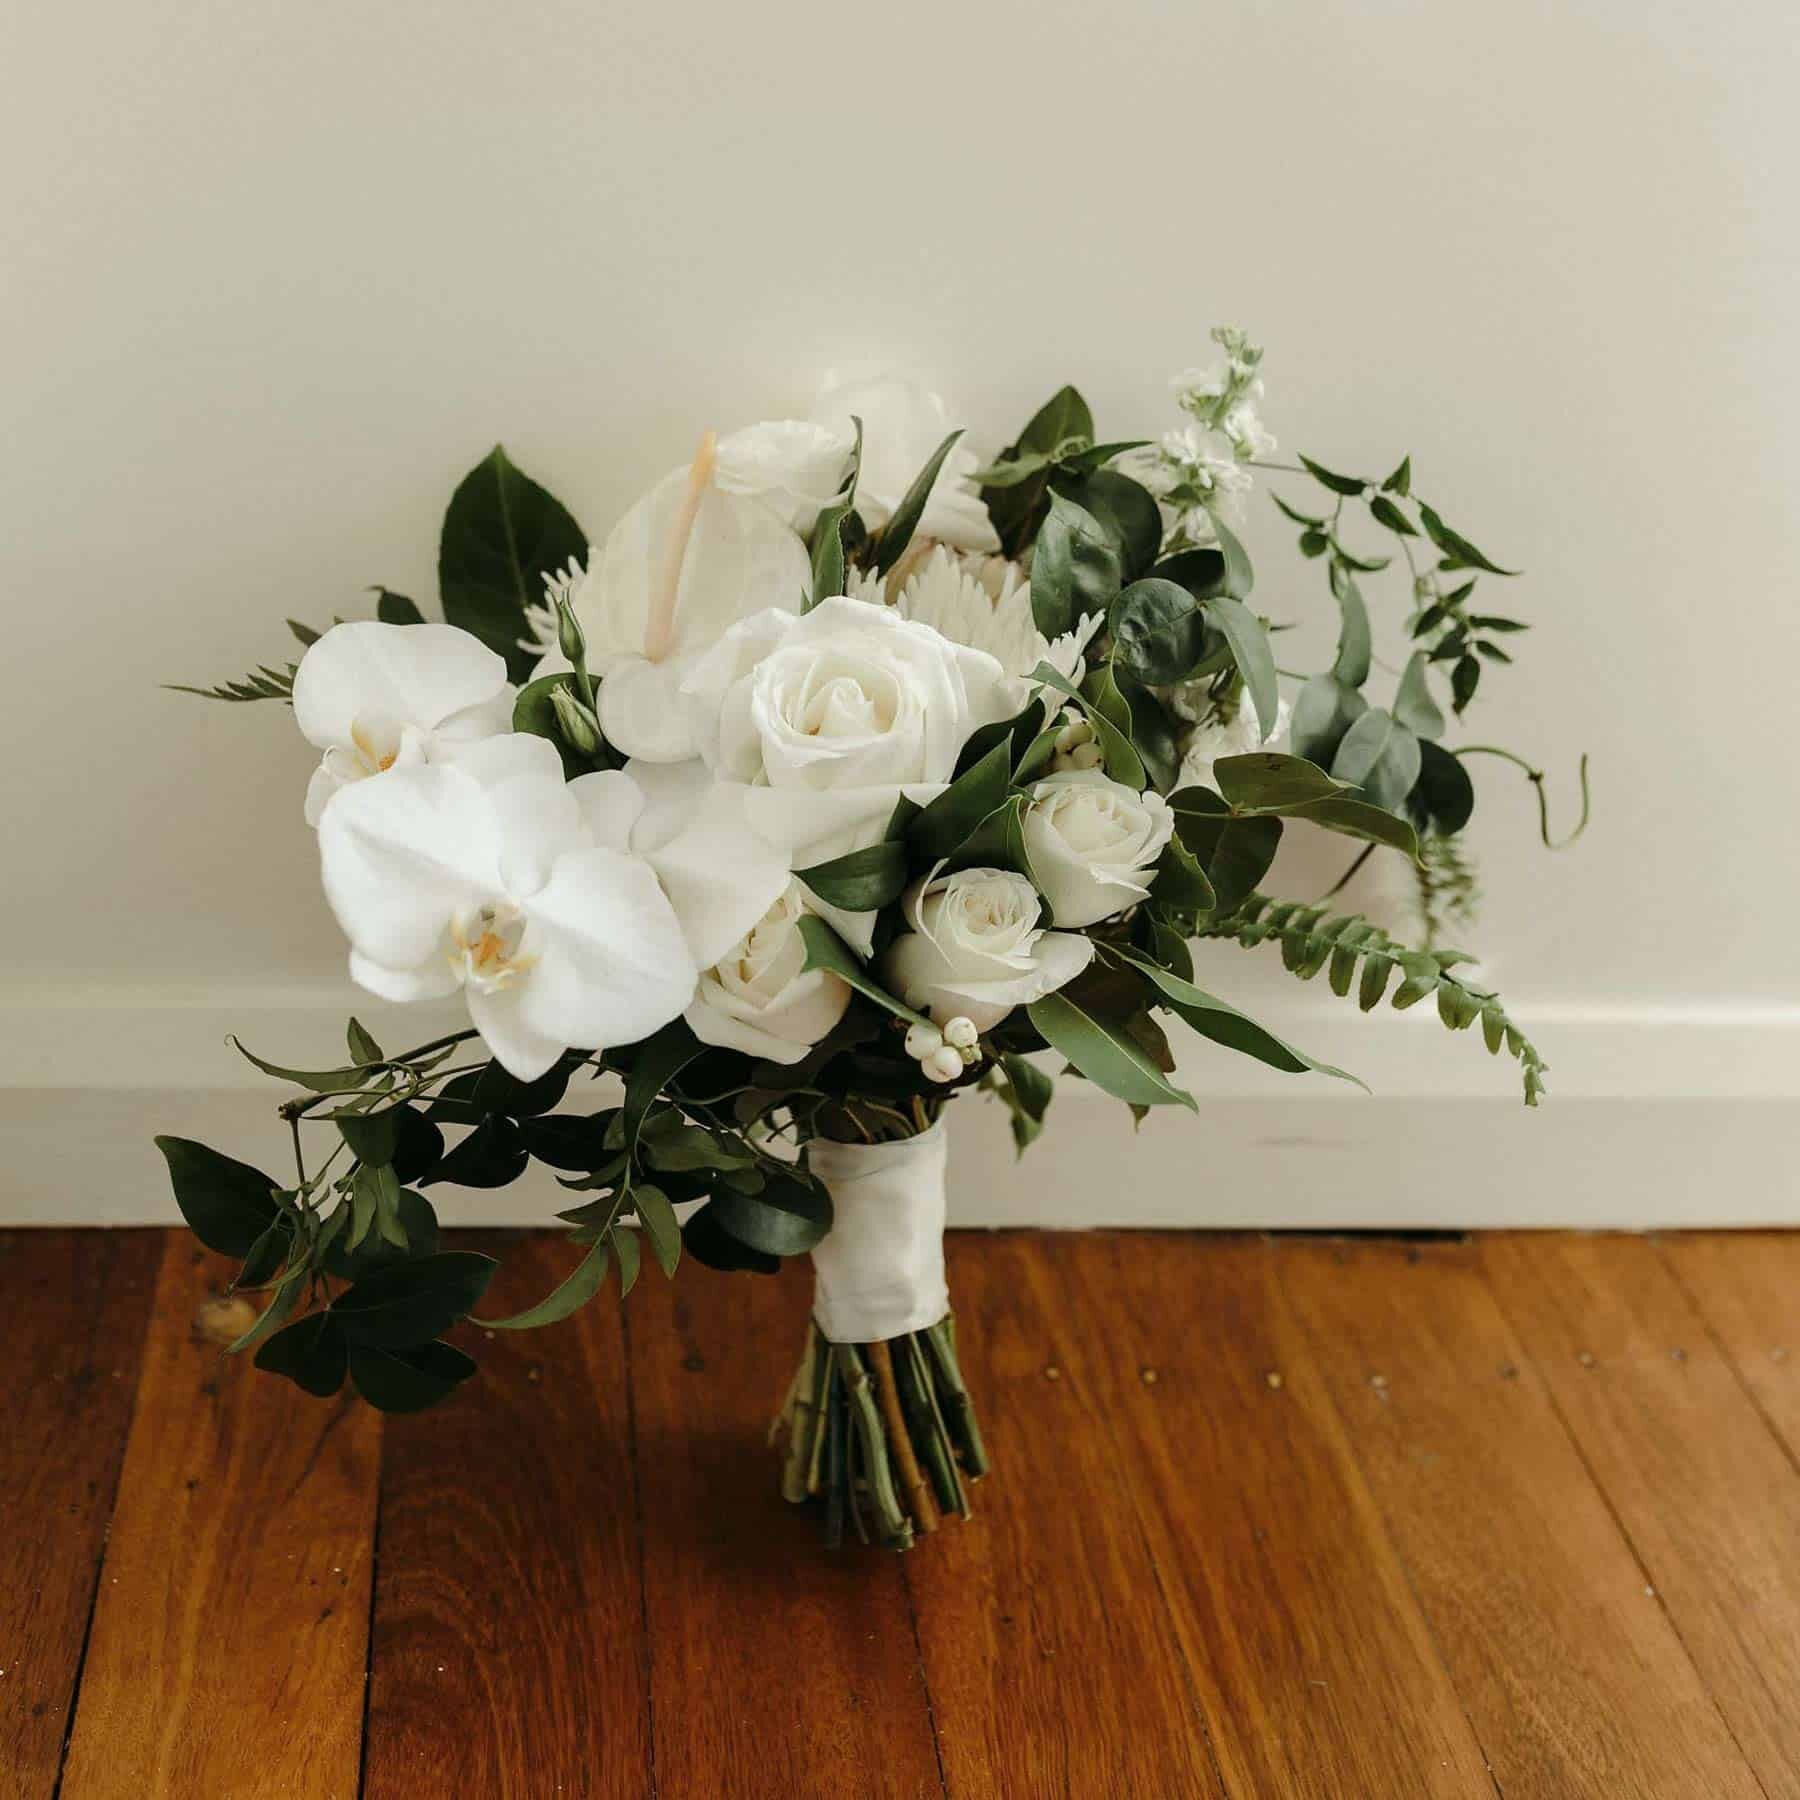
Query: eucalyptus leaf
1413,704
1443,798
787,1218
1267,780
1380,756
1074,570
1249,641
1239,576
1354,643
1125,509
1324,711
1159,631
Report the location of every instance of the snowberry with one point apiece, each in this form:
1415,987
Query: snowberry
960,1033
922,1040
944,1064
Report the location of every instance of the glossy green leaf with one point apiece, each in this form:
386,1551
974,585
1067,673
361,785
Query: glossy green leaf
938,831
227,1204
1339,484
410,1302
1268,780
657,1221
1380,756
310,1353
862,880
1180,880
1457,548
574,1291
408,1380
1388,514
1074,570
826,950
1159,631
787,1218
419,1221
1249,641
1443,798
1122,761
1125,509
502,535
897,534
493,1155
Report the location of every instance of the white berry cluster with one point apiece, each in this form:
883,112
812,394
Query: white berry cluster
944,1054
1075,746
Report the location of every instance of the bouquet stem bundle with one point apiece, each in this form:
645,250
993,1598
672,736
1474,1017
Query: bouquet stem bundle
883,1433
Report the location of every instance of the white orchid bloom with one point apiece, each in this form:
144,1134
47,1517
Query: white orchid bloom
903,424
685,564
483,874
718,874
985,602
375,697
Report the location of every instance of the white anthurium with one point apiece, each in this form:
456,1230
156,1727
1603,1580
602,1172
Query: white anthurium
903,424
686,563
719,875
978,948
824,721
760,997
1093,843
376,697
483,874
985,602
1215,737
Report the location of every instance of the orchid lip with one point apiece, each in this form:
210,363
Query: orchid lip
487,943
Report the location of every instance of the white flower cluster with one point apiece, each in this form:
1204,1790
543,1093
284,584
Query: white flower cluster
761,741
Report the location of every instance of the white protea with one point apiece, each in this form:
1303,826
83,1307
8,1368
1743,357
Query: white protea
983,602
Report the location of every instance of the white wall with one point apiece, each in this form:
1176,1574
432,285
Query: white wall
275,275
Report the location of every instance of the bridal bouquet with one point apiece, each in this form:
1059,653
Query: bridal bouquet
847,775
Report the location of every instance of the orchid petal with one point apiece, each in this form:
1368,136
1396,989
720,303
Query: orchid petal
518,1046
537,816
433,980
611,804
400,674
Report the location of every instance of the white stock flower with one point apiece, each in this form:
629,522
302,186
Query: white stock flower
687,562
826,720
903,424
793,466
483,875
375,697
1215,737
986,604
760,997
978,948
1093,843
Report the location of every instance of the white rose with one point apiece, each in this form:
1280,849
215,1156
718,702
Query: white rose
1092,843
977,948
1238,736
828,719
793,466
761,998
902,425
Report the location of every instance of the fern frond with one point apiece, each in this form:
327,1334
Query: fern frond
1447,886
265,683
1314,938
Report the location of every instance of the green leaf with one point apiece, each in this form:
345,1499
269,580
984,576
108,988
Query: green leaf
1225,1025
493,1155
534,711
861,881
826,950
1459,551
938,832
396,609
1181,882
1323,713
657,1221
828,532
1122,761
1074,569
1107,1057
1444,797
410,1302
1354,647
419,1222
286,1297
310,1353
1339,484
1380,756
1125,511
403,1381
1155,733
1465,677
320,1081
372,1136
1350,817
1307,519
998,842
1235,852
1096,454
1388,514
375,1202
575,1291
502,535
1265,780
787,1218
1239,577
891,545
228,1205
1159,631
1413,704
1249,641
1400,482
1027,1095
708,1242
1063,420
304,633
1201,572
420,1146
625,1250
364,1051
659,1059
1017,731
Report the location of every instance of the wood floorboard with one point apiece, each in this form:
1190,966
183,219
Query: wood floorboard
1045,1635
76,1307
1701,1485
1289,1521
508,1642
229,1640
1577,1685
778,1669
1314,1664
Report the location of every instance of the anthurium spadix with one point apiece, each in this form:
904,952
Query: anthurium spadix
376,697
685,564
484,874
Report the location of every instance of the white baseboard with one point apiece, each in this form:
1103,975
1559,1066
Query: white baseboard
1659,1116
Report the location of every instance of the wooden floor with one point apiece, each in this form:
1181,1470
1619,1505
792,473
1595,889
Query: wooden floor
1517,1516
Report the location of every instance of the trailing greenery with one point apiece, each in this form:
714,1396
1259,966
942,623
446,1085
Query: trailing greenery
1313,938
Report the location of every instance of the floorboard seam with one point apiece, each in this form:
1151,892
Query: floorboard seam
1311,1341
368,1705
112,1505
1497,1289
645,1650
912,1615
1123,1463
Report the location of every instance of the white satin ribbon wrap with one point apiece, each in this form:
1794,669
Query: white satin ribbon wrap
879,1271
